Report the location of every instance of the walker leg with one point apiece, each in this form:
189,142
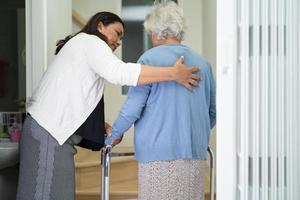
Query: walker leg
105,170
212,173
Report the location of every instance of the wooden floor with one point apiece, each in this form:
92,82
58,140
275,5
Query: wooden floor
114,197
123,177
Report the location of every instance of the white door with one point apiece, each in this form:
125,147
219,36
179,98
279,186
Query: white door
258,93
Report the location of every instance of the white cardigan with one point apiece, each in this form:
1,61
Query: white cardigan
73,84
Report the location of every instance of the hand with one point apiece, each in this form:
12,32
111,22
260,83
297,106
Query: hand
111,142
184,75
116,141
107,129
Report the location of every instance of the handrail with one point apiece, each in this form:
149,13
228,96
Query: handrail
78,18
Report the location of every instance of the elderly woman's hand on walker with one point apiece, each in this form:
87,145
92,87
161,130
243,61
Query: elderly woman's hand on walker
108,141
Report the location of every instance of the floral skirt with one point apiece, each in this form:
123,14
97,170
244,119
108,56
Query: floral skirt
170,180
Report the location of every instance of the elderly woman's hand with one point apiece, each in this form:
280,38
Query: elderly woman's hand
112,142
185,76
108,134
116,141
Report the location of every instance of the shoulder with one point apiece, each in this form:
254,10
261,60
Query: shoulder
146,56
90,42
152,56
200,60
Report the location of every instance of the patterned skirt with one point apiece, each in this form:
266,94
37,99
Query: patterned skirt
170,180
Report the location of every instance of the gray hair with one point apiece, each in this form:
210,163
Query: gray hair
166,19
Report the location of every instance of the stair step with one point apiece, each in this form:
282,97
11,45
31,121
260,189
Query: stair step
123,176
95,194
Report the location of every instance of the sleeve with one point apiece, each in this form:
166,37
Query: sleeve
212,103
131,110
102,60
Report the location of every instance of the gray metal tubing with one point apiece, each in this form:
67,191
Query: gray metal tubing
212,173
105,168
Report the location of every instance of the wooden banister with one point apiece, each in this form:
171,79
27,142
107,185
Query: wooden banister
78,18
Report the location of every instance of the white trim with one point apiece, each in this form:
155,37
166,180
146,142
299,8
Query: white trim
265,101
36,42
281,101
46,22
244,94
273,101
256,117
226,99
289,94
28,16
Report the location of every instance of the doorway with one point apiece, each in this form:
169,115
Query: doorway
12,56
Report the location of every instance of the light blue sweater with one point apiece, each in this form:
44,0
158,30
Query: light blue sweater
170,121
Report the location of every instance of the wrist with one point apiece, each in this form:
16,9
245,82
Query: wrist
173,73
107,140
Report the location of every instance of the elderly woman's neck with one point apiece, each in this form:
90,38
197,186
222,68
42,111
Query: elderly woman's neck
168,40
172,40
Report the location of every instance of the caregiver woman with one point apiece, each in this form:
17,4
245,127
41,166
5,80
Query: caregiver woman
67,107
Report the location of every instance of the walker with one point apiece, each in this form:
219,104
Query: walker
106,155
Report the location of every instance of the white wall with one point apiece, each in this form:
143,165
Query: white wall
59,24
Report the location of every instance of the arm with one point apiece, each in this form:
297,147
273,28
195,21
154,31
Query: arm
130,112
101,59
179,72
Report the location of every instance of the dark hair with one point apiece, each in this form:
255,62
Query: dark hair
91,27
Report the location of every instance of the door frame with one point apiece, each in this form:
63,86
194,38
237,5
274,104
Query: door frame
226,100
45,24
36,42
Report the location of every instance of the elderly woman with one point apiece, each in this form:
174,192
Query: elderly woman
172,125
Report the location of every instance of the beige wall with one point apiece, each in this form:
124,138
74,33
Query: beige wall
209,42
209,31
59,24
88,8
193,13
201,27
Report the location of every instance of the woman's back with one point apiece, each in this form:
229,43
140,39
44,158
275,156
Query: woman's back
174,122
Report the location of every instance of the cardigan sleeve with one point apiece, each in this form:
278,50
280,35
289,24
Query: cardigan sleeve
131,110
212,103
102,60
